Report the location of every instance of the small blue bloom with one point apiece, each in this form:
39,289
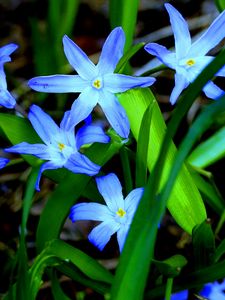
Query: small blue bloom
116,215
190,59
212,291
3,162
61,146
97,84
6,99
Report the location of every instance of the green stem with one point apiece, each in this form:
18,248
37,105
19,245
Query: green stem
155,70
126,169
169,286
220,223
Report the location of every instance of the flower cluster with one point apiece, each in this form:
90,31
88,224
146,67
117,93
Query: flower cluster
59,146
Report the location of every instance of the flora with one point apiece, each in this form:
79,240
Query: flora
61,146
121,171
189,59
6,99
116,216
97,84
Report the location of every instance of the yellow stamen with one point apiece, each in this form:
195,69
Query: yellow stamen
120,212
190,62
61,146
97,84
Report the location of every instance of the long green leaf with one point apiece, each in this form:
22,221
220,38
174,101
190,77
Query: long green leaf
213,197
126,18
57,252
185,195
209,151
138,250
142,147
203,245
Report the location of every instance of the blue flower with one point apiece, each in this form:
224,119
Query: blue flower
212,291
116,215
3,162
6,99
61,146
190,59
97,84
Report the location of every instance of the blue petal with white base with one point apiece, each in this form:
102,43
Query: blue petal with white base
97,83
189,60
116,216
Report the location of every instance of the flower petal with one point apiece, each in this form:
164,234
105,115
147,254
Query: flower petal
221,72
112,51
181,82
102,233
43,124
121,236
78,59
38,150
83,105
212,91
210,38
111,190
180,31
8,49
165,56
3,162
58,84
132,200
90,211
46,166
91,134
6,99
115,114
117,83
79,163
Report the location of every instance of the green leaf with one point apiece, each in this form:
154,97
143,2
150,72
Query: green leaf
220,251
220,4
56,288
213,197
127,56
185,195
142,147
138,250
203,245
171,267
191,280
209,151
126,17
58,252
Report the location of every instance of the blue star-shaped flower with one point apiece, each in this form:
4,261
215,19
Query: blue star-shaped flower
61,146
116,216
190,59
6,99
97,84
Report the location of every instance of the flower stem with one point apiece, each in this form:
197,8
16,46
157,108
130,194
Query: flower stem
220,223
155,70
169,285
126,169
